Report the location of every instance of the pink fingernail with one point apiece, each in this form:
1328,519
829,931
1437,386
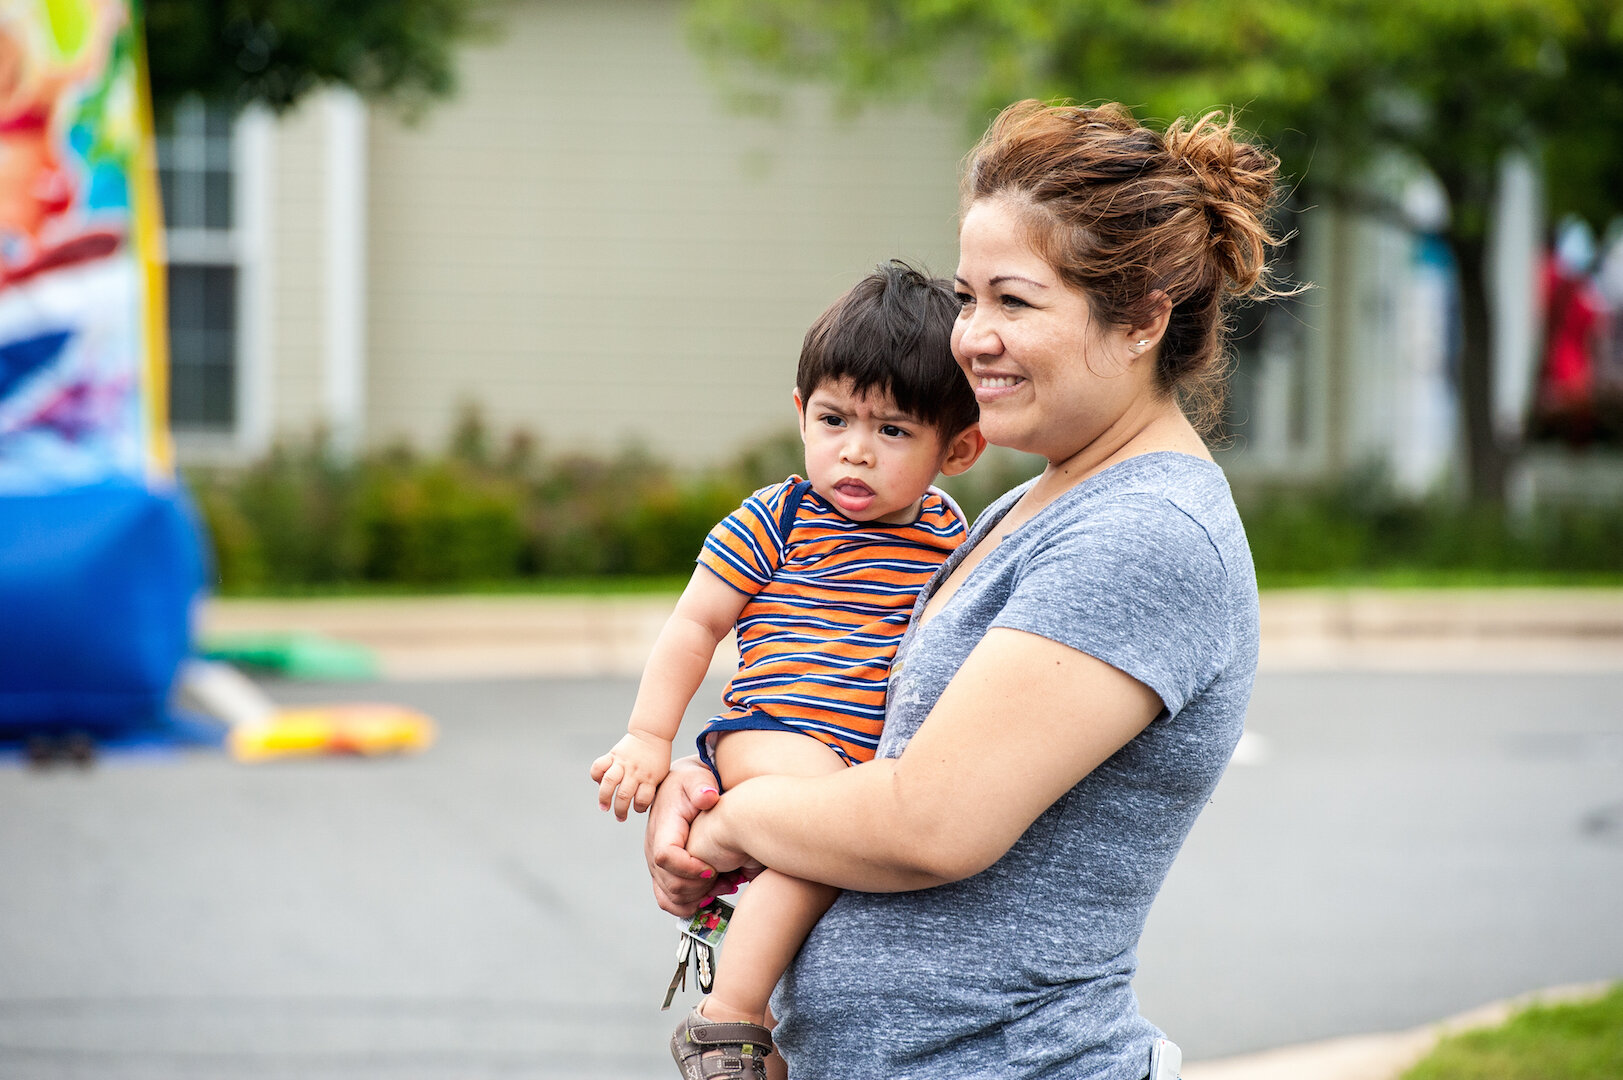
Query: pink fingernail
707,874
709,791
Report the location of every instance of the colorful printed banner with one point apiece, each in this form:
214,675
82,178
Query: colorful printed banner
83,353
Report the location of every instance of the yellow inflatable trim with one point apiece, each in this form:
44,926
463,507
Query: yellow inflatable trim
367,730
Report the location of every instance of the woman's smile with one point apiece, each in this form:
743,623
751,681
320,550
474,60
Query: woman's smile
1048,380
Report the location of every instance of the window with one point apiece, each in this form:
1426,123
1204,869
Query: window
195,174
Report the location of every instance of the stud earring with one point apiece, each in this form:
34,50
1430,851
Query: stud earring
1142,343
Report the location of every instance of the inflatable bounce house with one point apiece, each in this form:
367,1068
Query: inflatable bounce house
100,556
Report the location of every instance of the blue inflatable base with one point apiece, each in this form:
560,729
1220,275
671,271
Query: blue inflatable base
97,585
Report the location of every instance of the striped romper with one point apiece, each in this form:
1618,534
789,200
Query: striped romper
830,599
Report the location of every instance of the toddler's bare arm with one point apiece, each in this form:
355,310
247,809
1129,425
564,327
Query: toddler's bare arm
631,771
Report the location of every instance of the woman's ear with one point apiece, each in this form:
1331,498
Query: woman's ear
962,450
1147,335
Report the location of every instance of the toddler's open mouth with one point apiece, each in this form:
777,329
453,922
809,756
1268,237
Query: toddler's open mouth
856,489
853,496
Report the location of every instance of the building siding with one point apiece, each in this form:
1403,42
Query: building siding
589,244
297,277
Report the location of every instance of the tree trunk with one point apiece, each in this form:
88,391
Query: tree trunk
1486,460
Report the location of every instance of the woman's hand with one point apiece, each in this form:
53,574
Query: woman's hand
707,841
682,883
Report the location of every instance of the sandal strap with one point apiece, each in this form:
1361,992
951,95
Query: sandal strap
720,1033
720,1050
725,1066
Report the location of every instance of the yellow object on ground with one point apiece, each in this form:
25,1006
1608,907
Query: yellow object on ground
369,730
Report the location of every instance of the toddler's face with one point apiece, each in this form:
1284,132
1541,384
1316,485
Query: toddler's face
864,455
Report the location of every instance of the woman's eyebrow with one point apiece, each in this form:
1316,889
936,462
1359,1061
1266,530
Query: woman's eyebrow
1001,278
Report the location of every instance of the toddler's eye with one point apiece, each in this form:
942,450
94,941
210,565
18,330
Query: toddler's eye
832,421
892,431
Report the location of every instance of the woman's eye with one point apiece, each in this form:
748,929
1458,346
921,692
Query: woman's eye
1012,301
964,299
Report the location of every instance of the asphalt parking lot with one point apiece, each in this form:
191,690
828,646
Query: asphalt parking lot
1393,846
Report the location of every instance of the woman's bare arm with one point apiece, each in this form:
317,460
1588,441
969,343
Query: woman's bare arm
1021,723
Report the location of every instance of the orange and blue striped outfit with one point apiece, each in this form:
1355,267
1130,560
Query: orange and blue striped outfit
830,599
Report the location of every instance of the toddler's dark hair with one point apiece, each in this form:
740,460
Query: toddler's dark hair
892,332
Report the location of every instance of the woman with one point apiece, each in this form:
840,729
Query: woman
1076,678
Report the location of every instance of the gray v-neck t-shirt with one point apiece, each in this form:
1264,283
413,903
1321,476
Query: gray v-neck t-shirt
1025,969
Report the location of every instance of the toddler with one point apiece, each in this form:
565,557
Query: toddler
819,576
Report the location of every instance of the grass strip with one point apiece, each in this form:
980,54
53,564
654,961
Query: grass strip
661,585
1569,1041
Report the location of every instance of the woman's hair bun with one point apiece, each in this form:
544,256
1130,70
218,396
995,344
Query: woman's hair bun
1240,182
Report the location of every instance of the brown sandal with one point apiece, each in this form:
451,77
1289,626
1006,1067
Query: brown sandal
707,1050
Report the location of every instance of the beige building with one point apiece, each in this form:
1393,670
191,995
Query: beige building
587,242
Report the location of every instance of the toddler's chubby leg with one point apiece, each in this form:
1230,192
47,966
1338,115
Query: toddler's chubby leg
777,911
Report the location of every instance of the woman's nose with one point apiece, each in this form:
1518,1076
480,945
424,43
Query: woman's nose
975,337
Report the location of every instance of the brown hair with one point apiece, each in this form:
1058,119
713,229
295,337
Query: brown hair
1127,214
892,332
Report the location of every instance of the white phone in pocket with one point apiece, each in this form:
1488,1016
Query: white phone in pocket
1165,1060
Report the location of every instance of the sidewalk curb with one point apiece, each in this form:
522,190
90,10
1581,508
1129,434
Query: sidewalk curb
1513,629
438,637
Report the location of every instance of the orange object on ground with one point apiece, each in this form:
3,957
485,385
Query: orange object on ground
369,730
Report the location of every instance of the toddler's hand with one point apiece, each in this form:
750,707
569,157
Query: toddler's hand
629,774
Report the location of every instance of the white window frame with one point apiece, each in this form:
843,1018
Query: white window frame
245,246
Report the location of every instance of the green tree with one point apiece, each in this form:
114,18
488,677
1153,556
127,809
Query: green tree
274,52
1453,85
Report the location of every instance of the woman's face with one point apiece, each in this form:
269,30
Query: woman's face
1049,381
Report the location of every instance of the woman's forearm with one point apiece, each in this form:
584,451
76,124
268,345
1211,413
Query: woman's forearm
1024,719
852,830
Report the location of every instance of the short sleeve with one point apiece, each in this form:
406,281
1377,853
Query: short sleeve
746,547
1142,588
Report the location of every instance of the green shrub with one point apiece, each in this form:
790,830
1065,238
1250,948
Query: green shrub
236,547
440,523
304,518
1305,534
289,519
1360,526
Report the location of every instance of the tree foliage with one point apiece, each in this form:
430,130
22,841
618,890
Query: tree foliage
273,52
1453,84
1447,84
